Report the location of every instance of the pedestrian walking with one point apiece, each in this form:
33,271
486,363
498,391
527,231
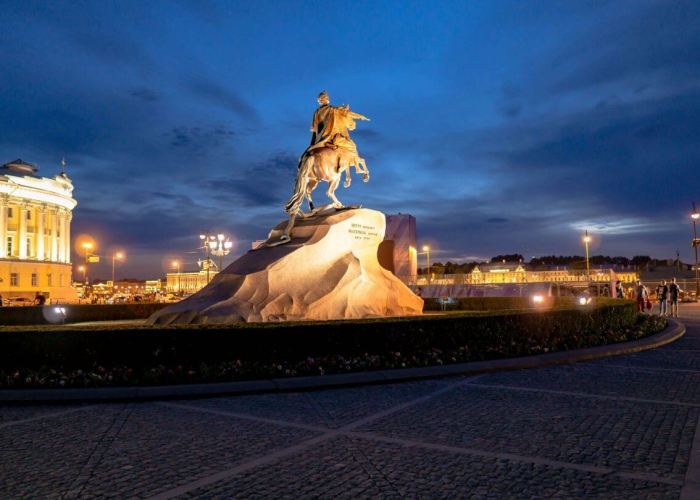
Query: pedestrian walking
619,291
674,292
642,296
662,297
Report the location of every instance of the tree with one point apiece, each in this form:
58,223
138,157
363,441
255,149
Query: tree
640,261
515,257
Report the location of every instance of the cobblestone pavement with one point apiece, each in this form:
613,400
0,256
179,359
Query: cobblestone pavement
622,427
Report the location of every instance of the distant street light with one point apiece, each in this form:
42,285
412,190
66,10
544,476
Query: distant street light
82,270
426,251
695,215
115,256
586,241
87,246
176,265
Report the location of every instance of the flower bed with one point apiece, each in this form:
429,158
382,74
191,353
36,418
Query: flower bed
196,354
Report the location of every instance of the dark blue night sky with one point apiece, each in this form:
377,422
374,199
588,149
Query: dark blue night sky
502,126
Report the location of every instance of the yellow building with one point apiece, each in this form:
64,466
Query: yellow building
35,217
191,282
504,273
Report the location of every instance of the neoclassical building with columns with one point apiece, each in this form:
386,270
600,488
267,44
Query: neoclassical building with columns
35,244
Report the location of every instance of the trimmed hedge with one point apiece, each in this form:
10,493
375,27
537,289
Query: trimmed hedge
456,337
77,313
493,303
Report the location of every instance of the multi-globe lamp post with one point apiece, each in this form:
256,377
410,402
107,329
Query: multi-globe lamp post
220,247
206,238
695,215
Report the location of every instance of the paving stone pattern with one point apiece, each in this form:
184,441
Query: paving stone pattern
622,427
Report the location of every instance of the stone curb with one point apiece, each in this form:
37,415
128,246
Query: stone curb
674,331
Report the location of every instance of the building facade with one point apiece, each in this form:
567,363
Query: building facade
35,218
191,282
503,273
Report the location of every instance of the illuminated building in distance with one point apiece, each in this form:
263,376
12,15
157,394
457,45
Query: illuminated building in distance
35,245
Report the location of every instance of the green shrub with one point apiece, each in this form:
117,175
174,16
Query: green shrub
69,356
77,313
498,303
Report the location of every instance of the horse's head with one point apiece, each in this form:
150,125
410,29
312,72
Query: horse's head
348,120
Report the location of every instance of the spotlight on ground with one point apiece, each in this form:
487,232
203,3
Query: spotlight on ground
55,314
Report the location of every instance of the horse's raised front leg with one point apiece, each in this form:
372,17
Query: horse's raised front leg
364,171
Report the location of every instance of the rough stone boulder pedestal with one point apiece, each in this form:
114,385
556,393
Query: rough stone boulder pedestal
329,270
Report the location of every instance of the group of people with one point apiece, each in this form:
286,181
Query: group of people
667,295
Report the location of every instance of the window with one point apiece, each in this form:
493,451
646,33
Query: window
9,245
9,211
14,279
48,278
29,215
29,247
35,280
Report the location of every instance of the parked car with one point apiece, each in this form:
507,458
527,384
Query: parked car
117,299
169,298
18,301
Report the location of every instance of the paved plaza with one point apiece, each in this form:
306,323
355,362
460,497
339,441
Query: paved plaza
622,427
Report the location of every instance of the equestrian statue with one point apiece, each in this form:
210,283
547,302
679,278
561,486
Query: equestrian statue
330,154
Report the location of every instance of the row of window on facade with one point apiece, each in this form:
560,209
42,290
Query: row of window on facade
15,281
30,247
10,213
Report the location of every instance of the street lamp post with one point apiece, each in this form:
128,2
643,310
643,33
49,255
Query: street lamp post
695,215
426,251
207,240
221,247
115,256
586,241
176,265
87,246
218,245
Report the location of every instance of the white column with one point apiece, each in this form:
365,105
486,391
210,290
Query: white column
39,234
68,218
3,226
22,232
62,231
53,214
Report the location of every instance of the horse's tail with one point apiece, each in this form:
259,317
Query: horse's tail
294,203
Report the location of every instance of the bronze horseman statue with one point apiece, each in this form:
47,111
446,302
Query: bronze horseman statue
330,153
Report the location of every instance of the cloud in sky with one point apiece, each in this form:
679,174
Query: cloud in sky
503,126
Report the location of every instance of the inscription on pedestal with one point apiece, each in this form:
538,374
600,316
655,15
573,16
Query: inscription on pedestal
363,232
